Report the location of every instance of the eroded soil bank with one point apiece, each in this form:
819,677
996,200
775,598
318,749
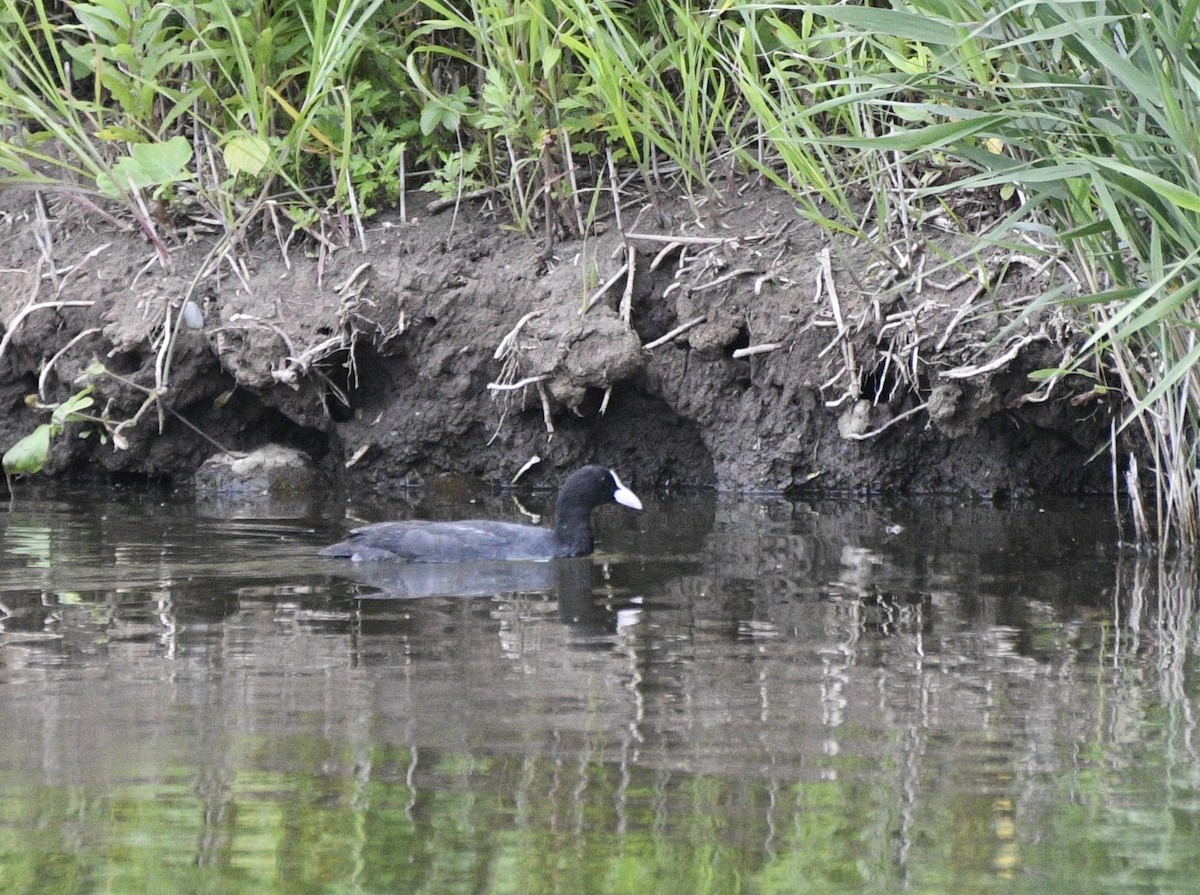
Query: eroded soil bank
735,346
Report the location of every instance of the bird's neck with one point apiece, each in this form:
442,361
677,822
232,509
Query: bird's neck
573,531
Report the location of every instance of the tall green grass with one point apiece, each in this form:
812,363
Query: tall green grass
1095,106
219,103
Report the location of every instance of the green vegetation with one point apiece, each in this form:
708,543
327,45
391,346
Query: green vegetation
494,825
31,452
1077,121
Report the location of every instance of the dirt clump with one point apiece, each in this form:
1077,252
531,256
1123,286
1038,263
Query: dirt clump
740,348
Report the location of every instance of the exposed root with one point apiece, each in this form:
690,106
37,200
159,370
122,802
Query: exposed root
826,286
670,249
608,284
698,240
13,325
508,344
507,352
752,350
49,365
439,205
722,280
547,409
513,386
355,274
875,433
677,331
973,370
529,464
626,306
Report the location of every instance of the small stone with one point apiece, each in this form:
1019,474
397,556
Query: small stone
271,470
192,315
943,402
855,420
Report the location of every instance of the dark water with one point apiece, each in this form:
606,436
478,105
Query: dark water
739,696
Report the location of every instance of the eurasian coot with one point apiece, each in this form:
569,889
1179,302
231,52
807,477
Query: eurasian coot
416,541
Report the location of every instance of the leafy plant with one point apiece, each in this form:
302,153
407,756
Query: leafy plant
157,165
29,455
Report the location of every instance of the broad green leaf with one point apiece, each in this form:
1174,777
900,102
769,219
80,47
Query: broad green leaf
118,134
163,162
29,454
246,153
66,411
147,165
105,20
430,115
125,53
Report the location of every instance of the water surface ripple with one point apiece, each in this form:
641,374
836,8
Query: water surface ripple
734,695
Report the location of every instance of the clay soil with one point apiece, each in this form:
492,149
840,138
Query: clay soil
450,345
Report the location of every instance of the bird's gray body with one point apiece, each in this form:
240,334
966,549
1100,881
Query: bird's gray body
476,540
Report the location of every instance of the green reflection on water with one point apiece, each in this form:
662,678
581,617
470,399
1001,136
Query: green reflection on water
512,824
300,834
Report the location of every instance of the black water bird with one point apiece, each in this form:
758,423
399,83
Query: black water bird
469,541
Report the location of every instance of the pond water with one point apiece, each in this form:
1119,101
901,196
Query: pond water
735,696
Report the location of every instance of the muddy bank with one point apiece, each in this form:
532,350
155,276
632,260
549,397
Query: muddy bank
734,346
